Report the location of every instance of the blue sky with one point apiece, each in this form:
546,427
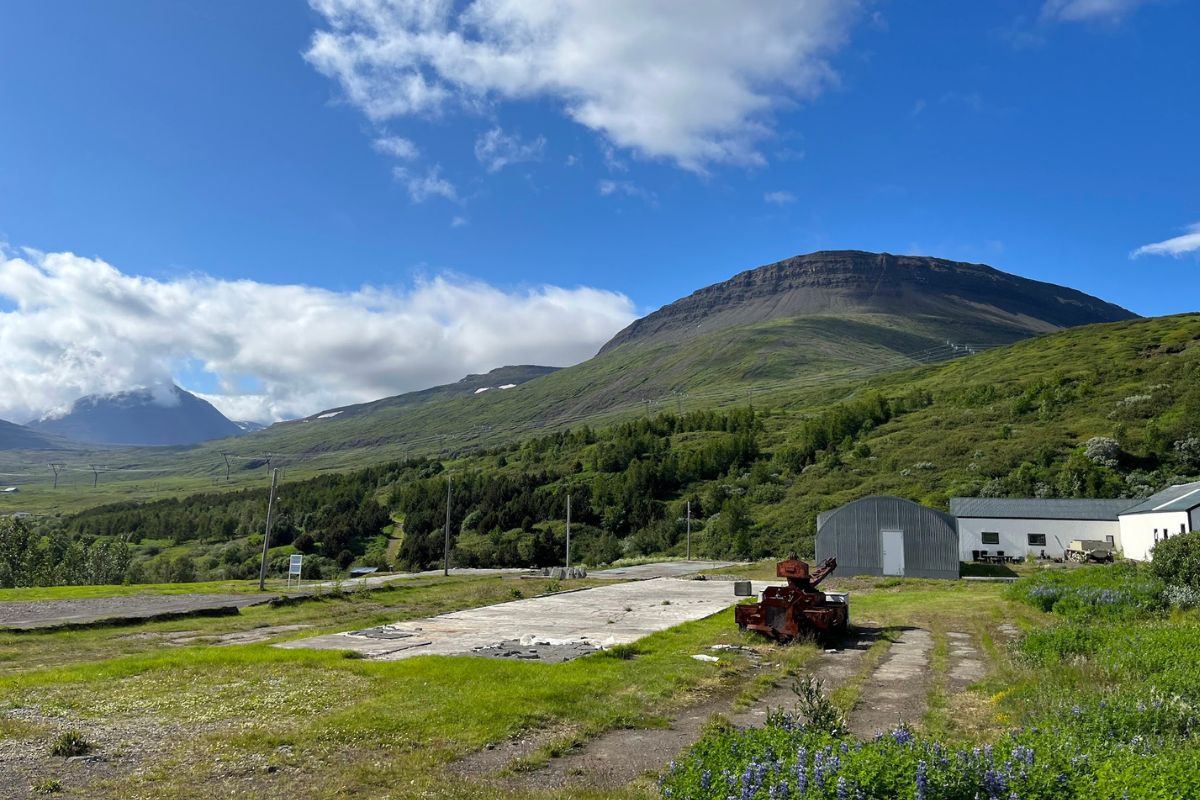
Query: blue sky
222,142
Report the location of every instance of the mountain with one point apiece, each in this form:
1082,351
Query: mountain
1015,421
975,302
19,437
800,333
806,321
498,380
166,416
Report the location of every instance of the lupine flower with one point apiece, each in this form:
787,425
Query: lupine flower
922,781
994,783
841,789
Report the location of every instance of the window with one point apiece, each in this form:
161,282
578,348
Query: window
1110,539
1182,528
990,537
1037,540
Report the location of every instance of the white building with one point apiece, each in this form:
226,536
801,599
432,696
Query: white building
1015,528
1169,513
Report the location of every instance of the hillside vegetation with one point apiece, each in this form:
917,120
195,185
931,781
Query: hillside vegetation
802,328
1103,411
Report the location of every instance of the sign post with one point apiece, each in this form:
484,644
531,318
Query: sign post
295,565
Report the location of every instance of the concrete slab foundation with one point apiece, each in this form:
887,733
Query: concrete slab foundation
598,617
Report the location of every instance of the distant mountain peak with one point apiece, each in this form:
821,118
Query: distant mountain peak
160,414
845,282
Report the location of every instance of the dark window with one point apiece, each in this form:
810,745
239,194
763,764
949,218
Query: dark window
991,537
1182,528
1110,539
1037,540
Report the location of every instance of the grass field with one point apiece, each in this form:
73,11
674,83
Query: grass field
256,721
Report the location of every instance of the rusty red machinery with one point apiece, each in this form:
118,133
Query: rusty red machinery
799,609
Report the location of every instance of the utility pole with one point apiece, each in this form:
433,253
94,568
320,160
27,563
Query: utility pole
446,549
568,530
57,468
689,529
226,457
262,569
95,474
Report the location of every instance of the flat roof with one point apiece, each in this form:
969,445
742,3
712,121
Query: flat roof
1038,508
1181,497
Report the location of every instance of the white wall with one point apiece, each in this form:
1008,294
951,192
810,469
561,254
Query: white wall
1014,535
1138,530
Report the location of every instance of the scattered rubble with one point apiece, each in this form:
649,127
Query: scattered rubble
564,573
533,648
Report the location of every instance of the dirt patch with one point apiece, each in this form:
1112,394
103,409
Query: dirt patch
896,693
117,750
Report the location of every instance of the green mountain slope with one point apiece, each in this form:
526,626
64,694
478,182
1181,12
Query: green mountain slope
798,327
1017,420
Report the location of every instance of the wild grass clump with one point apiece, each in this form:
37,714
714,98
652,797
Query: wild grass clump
70,743
47,786
622,652
1123,591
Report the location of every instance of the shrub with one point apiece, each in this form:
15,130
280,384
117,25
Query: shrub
1103,450
1176,561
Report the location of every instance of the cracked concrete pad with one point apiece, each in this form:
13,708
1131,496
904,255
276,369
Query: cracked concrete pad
966,662
599,616
897,691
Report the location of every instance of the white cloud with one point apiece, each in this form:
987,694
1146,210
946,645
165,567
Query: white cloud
1177,246
608,187
779,198
1088,10
496,149
397,147
694,82
422,187
80,326
459,222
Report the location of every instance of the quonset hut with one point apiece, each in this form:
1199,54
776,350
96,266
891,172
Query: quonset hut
889,536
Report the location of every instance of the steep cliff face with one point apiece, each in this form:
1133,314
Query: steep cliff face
967,298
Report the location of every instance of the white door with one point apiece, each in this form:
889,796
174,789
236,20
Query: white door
892,545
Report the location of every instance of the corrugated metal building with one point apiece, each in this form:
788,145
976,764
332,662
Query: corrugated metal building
889,536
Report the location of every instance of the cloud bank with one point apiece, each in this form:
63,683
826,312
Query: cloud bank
1177,246
693,82
80,326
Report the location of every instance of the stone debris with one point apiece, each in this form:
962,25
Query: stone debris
703,657
564,573
388,632
531,648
